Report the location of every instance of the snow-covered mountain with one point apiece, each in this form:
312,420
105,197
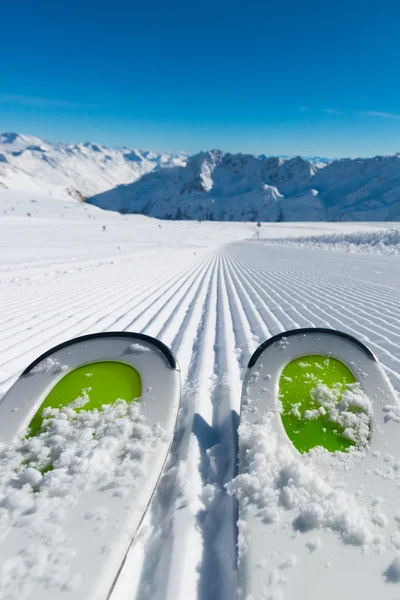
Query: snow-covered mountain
316,160
210,185
218,186
31,164
235,187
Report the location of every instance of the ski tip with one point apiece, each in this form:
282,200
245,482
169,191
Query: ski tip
306,331
109,334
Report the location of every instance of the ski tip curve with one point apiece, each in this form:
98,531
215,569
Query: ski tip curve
308,330
109,334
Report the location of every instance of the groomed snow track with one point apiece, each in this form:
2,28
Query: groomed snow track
213,309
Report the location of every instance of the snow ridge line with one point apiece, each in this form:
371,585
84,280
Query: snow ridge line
88,319
95,316
305,295
342,296
212,309
367,293
45,300
84,307
150,300
174,297
174,329
280,294
218,577
264,304
351,324
258,327
245,342
175,546
279,297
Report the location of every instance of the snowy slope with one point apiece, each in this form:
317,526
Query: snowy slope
33,165
385,241
241,187
212,297
209,186
217,186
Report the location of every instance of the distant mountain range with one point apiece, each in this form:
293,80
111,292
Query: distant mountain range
210,185
34,165
240,187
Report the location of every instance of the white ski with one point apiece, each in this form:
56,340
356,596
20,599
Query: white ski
318,522
77,476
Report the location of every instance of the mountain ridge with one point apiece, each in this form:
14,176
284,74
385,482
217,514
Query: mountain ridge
210,185
222,186
28,162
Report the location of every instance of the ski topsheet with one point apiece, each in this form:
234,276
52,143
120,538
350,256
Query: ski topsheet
84,435
319,472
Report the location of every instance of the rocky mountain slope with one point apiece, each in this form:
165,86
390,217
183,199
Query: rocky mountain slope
208,186
218,186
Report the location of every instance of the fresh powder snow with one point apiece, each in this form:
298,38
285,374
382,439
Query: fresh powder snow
43,477
277,481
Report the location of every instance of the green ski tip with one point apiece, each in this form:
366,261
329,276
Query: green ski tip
98,383
297,393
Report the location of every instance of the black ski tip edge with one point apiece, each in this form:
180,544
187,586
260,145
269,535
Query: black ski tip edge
313,330
108,334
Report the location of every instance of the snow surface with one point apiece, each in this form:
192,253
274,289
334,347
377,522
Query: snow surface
350,409
87,450
213,296
241,187
67,170
384,241
277,481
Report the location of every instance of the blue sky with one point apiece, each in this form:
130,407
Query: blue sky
310,78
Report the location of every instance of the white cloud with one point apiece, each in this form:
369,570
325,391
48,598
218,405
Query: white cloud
331,111
383,115
40,102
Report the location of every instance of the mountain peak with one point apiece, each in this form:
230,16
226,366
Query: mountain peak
9,137
223,186
87,167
